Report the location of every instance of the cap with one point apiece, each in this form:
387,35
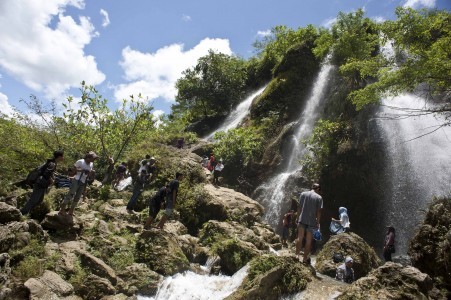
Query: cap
349,259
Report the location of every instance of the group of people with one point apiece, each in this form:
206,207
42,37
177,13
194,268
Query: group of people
214,166
308,225
166,197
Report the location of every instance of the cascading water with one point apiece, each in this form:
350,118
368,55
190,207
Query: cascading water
190,285
272,194
237,115
418,163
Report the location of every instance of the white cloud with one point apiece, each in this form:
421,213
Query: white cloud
329,22
106,18
263,33
379,19
5,107
156,116
154,74
419,3
186,18
48,60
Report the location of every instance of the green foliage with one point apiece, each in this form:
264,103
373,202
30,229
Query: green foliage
324,140
239,146
212,87
273,47
421,40
234,255
29,267
79,275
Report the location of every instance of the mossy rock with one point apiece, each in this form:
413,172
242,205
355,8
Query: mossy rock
160,251
142,278
348,244
430,248
234,254
391,281
270,277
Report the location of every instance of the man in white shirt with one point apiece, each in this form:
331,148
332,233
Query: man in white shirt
85,168
217,172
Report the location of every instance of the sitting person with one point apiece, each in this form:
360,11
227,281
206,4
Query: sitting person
345,272
341,225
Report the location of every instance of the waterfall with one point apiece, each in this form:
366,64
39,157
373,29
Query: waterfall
189,285
418,163
237,115
273,193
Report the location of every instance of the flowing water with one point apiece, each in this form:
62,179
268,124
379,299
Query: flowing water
274,193
418,163
192,286
237,115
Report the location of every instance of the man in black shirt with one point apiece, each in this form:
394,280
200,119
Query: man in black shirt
44,180
155,205
171,199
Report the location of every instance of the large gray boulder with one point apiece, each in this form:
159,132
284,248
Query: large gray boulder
8,213
19,234
140,279
390,281
56,222
49,286
95,287
97,266
348,244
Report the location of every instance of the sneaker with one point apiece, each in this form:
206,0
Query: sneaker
130,211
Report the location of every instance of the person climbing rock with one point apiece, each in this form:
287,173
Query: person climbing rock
389,243
171,199
286,223
138,188
309,212
345,272
155,205
45,179
121,171
85,169
341,225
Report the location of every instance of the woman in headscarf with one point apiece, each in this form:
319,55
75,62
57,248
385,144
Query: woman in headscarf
341,225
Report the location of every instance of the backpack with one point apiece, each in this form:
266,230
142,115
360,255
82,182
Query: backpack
338,257
34,174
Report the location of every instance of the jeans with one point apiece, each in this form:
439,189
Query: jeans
35,199
76,190
137,190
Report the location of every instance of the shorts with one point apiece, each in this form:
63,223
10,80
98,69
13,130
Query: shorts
168,212
312,229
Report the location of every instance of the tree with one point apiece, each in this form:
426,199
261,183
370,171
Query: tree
212,87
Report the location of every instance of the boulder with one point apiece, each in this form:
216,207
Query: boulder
69,258
139,276
10,200
55,222
270,277
95,287
5,269
430,248
234,254
390,281
160,251
8,213
348,244
18,234
49,286
97,266
118,213
223,203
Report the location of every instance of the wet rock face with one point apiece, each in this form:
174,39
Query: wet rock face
430,248
391,281
142,278
348,244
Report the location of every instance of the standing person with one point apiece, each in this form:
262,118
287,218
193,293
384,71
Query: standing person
85,168
45,179
138,188
155,205
152,168
180,142
121,170
211,163
389,243
218,169
171,201
309,211
341,225
345,272
287,219
204,161
144,164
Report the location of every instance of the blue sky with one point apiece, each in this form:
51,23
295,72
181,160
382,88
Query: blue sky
47,47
